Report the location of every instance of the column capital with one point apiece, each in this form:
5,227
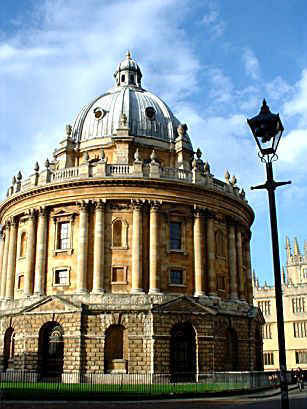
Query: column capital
155,205
31,213
42,211
137,204
100,204
232,220
13,221
198,211
210,214
83,205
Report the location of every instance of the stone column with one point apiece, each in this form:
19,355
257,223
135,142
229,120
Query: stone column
41,252
11,262
1,255
248,270
154,278
82,249
211,255
240,266
232,257
5,259
198,254
137,279
98,273
30,256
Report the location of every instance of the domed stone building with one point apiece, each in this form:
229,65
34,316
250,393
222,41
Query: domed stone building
123,254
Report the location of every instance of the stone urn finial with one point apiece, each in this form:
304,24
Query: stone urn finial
13,180
153,156
137,155
233,180
227,176
19,176
182,130
36,167
102,155
206,167
198,153
47,163
68,130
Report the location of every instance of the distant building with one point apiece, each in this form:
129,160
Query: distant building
294,285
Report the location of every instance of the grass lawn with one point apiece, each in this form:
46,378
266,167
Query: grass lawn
84,391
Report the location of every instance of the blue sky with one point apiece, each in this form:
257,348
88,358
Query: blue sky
212,61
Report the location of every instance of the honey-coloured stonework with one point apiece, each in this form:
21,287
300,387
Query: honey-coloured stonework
124,254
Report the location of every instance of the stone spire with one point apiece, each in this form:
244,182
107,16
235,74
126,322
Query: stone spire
296,250
283,275
288,249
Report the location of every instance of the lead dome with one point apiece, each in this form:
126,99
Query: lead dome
146,114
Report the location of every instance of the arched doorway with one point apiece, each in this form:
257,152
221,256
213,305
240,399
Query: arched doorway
51,350
231,350
9,348
258,351
183,352
115,349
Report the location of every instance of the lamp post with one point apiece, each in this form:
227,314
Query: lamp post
267,130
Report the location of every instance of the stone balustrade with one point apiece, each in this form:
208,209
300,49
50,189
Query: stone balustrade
153,171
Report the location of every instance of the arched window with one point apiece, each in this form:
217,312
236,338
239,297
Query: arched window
115,348
9,347
23,244
117,233
219,244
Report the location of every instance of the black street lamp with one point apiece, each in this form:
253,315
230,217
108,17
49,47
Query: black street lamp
267,130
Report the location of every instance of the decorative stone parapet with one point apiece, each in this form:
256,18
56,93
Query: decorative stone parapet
101,169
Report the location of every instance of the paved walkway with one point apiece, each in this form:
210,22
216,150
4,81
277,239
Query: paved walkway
261,400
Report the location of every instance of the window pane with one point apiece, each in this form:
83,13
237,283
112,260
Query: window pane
63,236
175,236
176,277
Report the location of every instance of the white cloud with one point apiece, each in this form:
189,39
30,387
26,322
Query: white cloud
212,20
297,105
278,88
251,64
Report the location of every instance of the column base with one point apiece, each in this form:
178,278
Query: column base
81,291
98,291
137,291
155,291
199,294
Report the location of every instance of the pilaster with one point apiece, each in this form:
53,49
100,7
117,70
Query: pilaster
30,256
41,252
154,277
11,264
198,254
82,249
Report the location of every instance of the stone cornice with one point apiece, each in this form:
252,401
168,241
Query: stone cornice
172,185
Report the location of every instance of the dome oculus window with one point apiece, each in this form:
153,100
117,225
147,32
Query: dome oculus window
99,113
150,113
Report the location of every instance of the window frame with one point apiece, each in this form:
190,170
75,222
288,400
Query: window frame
58,269
176,268
58,220
181,220
124,234
125,273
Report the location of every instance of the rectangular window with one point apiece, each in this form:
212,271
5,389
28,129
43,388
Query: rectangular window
118,274
63,235
301,357
267,331
300,329
298,304
175,236
176,277
61,277
265,307
268,358
20,283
